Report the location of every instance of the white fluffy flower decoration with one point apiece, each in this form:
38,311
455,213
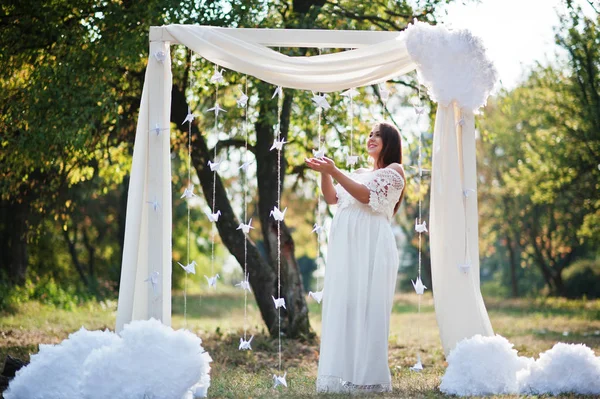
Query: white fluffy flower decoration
453,65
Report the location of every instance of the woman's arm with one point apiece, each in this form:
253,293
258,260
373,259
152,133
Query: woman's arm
328,189
355,189
327,167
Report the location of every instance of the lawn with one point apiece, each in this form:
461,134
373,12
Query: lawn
218,318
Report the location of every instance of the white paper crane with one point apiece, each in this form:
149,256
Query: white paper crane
153,280
278,144
418,365
213,217
464,267
468,192
214,165
217,77
350,93
321,101
279,302
189,117
160,56
278,92
157,129
279,380
317,296
419,110
245,345
277,214
384,93
319,153
351,160
155,204
316,228
216,109
420,228
189,268
245,227
245,166
245,284
243,100
418,286
461,122
212,281
188,192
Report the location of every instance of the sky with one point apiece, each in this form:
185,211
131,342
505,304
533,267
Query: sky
517,33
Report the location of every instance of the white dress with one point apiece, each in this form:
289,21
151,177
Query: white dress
360,280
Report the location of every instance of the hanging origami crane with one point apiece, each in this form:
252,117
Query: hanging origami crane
278,92
468,192
245,284
418,286
160,56
350,93
189,117
245,166
153,280
245,227
351,160
243,100
189,268
279,302
419,110
189,192
279,380
420,228
157,129
155,204
317,228
216,109
278,144
214,165
277,214
418,365
217,77
213,217
321,101
245,345
464,267
319,153
461,122
212,281
317,296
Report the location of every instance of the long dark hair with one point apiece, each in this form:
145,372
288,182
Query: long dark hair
391,151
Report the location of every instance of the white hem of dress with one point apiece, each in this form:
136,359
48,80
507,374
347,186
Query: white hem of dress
333,384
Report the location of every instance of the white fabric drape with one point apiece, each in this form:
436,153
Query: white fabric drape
147,249
459,306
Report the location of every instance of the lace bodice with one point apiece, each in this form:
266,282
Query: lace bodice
385,185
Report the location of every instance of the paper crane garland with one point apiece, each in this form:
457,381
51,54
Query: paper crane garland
418,286
245,345
190,267
317,296
279,302
212,281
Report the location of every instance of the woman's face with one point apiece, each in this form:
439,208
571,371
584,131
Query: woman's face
374,143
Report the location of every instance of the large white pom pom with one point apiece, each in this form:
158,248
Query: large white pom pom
562,369
483,366
453,65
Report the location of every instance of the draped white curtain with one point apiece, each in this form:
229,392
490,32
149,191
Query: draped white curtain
459,77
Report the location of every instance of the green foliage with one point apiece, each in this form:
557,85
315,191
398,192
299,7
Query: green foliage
583,279
44,290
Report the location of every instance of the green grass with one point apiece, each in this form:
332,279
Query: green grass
218,318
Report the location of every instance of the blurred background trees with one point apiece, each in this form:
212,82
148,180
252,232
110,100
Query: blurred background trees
71,74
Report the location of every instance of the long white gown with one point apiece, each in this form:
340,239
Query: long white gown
360,279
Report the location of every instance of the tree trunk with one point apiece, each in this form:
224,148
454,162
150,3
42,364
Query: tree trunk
262,273
13,240
512,256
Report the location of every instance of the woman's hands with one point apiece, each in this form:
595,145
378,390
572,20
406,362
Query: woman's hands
323,165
